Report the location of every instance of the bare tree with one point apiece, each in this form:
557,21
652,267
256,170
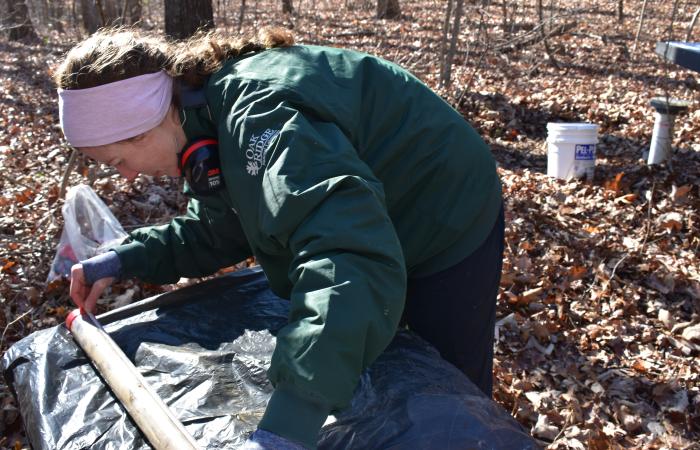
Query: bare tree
388,9
620,11
111,13
445,35
55,12
241,15
221,12
118,12
287,7
446,70
39,11
692,24
639,27
674,11
91,16
74,16
131,11
543,33
19,24
184,17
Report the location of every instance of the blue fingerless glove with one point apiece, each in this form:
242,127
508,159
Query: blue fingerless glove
105,265
264,440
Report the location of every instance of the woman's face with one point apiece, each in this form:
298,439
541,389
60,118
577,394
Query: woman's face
151,153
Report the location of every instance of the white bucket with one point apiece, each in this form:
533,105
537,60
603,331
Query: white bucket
571,149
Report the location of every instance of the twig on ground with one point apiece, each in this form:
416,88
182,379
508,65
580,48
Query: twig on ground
644,241
2,338
648,230
14,181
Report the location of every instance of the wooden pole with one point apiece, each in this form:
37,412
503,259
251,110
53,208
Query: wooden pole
150,413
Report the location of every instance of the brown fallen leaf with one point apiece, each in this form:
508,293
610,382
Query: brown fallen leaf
614,184
577,272
672,221
640,366
627,199
7,265
540,331
591,229
507,278
678,193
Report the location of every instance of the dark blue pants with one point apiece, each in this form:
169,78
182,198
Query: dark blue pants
455,309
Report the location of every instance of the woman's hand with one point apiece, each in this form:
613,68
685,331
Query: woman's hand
84,295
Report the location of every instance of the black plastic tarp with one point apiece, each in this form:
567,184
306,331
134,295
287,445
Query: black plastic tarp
205,350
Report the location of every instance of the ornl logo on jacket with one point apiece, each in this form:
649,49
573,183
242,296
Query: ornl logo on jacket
257,148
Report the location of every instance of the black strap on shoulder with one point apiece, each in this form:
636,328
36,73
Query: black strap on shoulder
191,97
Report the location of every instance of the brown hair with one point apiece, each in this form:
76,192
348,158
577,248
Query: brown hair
118,53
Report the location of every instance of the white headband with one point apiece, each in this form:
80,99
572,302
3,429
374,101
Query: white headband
114,111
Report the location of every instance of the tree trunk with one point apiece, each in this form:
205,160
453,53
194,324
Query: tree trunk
445,36
20,25
40,10
447,70
136,11
639,27
91,17
388,9
55,12
287,7
543,32
241,15
184,17
221,9
674,10
74,18
149,12
620,11
692,24
132,11
111,14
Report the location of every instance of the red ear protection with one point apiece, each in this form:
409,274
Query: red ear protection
199,163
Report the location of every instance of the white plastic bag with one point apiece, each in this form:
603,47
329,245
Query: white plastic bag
90,229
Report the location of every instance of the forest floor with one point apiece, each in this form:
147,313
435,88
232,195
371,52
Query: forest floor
598,331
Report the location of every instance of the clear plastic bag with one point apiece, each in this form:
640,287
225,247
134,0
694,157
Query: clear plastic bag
90,228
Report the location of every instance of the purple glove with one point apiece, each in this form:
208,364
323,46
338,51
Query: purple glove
106,265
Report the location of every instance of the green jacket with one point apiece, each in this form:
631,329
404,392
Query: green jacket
344,175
